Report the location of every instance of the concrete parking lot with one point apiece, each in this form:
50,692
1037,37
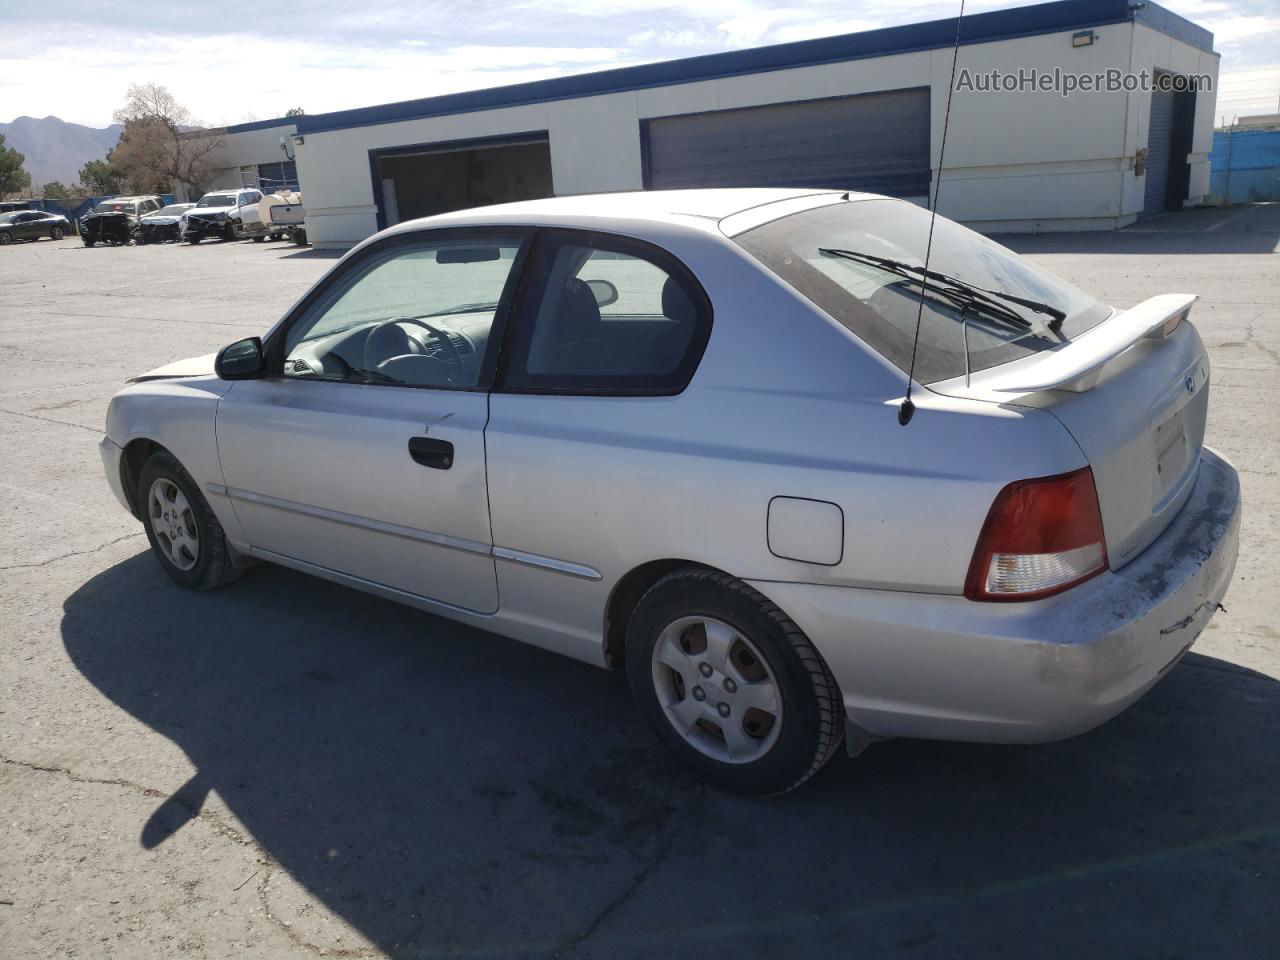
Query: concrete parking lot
288,769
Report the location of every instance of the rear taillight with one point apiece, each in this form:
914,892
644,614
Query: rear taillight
1041,537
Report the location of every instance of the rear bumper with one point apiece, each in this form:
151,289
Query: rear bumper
943,667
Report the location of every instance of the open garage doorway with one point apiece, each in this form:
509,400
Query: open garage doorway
426,179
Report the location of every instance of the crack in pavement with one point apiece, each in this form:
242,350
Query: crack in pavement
297,939
16,354
216,823
636,883
199,813
1252,338
184,320
65,423
66,556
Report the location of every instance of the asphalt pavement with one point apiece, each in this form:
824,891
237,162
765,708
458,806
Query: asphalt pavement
287,768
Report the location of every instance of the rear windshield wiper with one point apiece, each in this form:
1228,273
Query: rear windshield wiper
982,294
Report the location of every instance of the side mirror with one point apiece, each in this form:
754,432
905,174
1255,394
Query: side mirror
243,360
604,292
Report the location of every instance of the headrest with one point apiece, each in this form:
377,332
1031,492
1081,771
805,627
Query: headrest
579,312
676,303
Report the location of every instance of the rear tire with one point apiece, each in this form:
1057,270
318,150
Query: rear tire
56,233
193,240
755,710
88,243
183,531
259,239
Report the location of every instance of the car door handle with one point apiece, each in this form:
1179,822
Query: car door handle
430,452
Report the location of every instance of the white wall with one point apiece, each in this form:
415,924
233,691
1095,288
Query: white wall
1014,161
235,161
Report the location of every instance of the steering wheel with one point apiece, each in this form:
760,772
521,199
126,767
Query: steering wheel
439,336
389,342
392,353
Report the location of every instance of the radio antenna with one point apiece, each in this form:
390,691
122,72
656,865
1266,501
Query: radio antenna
908,409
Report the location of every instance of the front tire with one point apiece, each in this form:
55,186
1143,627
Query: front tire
193,240
183,531
6,238
89,243
731,685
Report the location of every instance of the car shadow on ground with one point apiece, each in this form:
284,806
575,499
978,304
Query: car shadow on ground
449,792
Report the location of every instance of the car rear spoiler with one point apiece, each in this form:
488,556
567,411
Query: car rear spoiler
1077,366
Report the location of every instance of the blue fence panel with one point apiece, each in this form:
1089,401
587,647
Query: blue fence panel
1244,166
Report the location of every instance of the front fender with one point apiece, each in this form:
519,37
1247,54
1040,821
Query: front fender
178,415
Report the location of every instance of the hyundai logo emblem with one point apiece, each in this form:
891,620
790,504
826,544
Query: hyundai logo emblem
1191,385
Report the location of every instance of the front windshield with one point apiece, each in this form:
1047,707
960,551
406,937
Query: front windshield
217,200
172,210
828,255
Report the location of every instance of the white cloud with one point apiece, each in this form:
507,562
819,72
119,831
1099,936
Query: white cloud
1243,93
335,55
1231,31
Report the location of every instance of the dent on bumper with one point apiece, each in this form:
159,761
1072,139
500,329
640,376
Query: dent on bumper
944,667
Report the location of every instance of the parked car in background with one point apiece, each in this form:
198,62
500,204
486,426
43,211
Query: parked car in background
164,225
225,215
32,225
664,432
117,220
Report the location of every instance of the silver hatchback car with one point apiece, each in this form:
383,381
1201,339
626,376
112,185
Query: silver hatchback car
661,432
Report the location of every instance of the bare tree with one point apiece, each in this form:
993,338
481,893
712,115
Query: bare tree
162,141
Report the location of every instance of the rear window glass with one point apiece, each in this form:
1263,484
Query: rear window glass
861,261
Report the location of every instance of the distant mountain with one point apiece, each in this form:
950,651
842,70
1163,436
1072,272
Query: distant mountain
55,149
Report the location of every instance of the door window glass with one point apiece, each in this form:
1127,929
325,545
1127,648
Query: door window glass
612,314
415,315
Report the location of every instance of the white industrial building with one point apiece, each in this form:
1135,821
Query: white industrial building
249,155
862,111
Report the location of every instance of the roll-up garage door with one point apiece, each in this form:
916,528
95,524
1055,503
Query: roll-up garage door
1159,145
877,142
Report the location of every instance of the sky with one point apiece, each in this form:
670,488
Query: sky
236,61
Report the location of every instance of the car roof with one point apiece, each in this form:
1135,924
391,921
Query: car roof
654,206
